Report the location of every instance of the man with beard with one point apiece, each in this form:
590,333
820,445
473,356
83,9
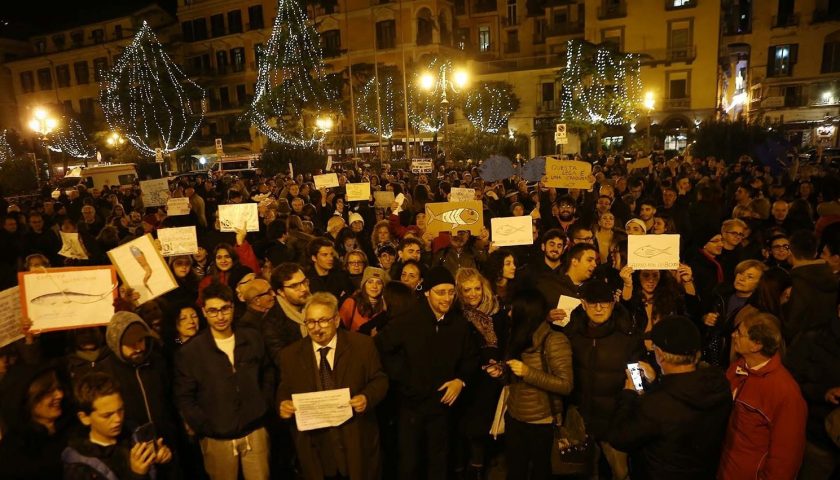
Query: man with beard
143,376
283,323
562,214
223,387
552,244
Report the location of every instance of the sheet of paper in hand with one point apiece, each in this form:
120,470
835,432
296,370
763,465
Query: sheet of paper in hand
71,246
358,192
177,241
567,304
142,268
509,231
178,206
67,298
461,194
327,180
323,409
454,217
653,252
10,316
235,216
567,173
383,199
155,192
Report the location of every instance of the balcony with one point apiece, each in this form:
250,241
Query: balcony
677,103
561,29
512,47
606,12
510,22
484,6
547,106
679,4
821,15
681,54
785,21
331,52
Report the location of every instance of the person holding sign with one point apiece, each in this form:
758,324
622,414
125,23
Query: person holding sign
333,359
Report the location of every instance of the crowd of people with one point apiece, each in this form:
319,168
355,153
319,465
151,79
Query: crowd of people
462,358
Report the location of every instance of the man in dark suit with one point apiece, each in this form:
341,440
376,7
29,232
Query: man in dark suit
330,359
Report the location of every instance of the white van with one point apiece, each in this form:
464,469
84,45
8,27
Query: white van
116,175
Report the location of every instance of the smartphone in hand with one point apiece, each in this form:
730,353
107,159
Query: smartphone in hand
636,375
144,434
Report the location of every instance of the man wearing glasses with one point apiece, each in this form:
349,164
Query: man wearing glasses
283,323
222,383
258,296
334,359
732,233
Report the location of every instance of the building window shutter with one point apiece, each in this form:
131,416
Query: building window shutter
771,61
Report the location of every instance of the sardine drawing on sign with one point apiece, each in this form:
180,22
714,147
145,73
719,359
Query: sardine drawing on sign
648,251
66,296
456,217
510,229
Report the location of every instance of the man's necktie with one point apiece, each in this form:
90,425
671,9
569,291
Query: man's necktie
327,382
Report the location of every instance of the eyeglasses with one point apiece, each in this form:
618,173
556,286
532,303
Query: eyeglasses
600,305
356,263
214,312
781,247
297,285
736,234
321,322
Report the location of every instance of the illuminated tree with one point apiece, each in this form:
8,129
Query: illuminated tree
489,106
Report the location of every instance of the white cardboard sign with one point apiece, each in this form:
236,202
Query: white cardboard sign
653,252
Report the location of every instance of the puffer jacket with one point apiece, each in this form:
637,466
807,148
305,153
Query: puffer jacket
601,354
529,396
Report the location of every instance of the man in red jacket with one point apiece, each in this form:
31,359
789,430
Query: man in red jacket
766,434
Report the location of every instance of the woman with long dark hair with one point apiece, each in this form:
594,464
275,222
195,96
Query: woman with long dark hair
500,270
366,303
225,269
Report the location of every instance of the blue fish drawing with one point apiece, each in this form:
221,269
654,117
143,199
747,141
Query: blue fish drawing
649,252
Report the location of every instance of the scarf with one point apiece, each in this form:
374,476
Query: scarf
484,324
294,314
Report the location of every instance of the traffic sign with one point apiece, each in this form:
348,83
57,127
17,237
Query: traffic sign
561,130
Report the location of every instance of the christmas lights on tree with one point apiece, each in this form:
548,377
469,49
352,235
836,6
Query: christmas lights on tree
292,90
71,139
599,85
6,151
389,97
489,106
149,98
431,103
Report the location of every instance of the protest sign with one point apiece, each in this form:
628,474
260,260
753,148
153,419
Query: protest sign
178,206
639,164
358,192
155,192
142,268
454,217
567,173
383,199
457,194
327,180
68,298
10,316
422,165
653,252
71,246
177,241
237,215
509,231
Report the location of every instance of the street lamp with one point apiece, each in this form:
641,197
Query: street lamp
649,103
324,125
43,124
458,81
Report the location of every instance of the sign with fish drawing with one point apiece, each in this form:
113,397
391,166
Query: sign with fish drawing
653,252
454,217
10,316
142,268
567,174
509,231
155,192
68,298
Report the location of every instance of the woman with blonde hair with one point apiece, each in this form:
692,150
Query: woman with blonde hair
490,331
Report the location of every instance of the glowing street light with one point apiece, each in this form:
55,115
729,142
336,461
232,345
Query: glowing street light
43,124
427,81
458,81
649,103
324,124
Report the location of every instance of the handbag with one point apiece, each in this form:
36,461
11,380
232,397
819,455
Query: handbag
572,450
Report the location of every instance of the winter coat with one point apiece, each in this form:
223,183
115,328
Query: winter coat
813,300
676,428
115,457
600,357
530,395
765,438
278,332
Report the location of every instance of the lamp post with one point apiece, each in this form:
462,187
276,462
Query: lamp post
324,125
457,81
43,124
649,103
115,141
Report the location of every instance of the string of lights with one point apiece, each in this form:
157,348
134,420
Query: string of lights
427,111
292,88
6,152
600,85
148,98
366,105
489,106
71,139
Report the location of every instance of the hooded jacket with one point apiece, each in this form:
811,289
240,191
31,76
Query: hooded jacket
813,300
674,430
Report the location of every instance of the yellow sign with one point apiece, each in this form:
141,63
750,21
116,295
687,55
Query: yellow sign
454,217
358,192
567,173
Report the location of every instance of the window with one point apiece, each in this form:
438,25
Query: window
780,60
62,75
200,29
460,7
67,107
86,108
331,43
59,41
45,79
241,95
831,54
217,25
98,35
425,25
221,61
237,59
187,31
484,38
235,21
255,17
100,66
512,45
681,3
613,38
462,38
679,40
547,92
679,90
77,38
41,45
511,12
82,74
118,32
27,82
386,34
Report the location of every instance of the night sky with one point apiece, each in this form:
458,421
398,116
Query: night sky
31,17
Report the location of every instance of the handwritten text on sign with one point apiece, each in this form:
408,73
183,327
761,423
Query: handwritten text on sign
653,252
567,173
